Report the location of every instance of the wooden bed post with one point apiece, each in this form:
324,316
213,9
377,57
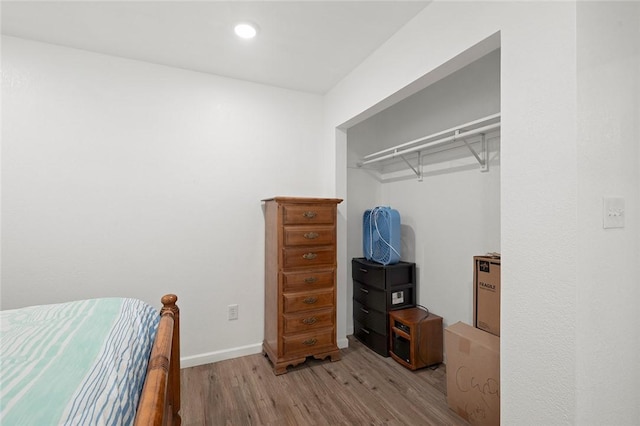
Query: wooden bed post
173,393
160,399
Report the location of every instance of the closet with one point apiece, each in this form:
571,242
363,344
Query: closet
435,157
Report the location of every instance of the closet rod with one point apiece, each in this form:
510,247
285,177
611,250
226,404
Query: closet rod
435,135
460,135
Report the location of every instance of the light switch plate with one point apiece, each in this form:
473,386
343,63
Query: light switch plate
613,212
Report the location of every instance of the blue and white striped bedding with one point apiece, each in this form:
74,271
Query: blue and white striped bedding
77,363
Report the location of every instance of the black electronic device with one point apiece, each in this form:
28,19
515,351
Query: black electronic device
401,347
402,327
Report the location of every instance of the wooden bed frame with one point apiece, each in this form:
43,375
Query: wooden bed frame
160,400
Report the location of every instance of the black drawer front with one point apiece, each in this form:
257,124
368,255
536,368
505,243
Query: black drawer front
381,276
368,274
384,301
377,342
370,318
370,296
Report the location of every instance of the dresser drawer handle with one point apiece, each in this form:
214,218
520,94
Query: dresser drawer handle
364,310
310,300
311,235
363,270
310,256
311,320
364,290
310,342
365,330
310,280
309,214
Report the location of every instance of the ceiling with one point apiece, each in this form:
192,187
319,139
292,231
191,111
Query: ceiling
301,45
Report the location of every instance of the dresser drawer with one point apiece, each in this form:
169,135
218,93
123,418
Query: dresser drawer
309,235
381,276
296,302
309,214
376,341
308,343
370,318
295,323
309,257
370,297
308,280
398,298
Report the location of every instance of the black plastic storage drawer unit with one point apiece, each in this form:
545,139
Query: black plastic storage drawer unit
377,290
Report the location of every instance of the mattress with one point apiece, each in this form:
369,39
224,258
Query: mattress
76,363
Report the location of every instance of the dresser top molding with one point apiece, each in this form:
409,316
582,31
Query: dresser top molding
304,200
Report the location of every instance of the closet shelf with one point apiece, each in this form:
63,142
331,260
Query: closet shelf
459,133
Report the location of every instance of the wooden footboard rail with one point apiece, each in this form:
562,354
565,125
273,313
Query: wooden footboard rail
160,400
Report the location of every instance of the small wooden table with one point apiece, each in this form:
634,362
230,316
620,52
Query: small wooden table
416,337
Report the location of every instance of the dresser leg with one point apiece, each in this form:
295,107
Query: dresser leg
333,355
278,370
281,367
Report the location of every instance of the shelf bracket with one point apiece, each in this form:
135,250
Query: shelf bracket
484,161
418,172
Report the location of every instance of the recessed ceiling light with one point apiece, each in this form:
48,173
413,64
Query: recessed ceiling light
246,30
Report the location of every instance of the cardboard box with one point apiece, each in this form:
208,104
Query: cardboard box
486,294
473,374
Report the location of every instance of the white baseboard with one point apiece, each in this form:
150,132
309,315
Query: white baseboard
208,358
211,357
343,343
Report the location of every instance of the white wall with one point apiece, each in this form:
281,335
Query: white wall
122,178
117,176
454,212
608,339
541,205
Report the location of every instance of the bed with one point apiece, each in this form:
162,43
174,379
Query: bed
110,361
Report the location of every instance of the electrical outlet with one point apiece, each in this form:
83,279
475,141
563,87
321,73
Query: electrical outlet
232,312
613,212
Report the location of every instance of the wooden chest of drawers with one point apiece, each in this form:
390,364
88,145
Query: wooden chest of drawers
300,280
378,290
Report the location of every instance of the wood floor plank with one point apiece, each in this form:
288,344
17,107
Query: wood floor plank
362,388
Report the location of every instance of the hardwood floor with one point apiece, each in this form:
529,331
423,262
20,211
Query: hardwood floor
362,388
